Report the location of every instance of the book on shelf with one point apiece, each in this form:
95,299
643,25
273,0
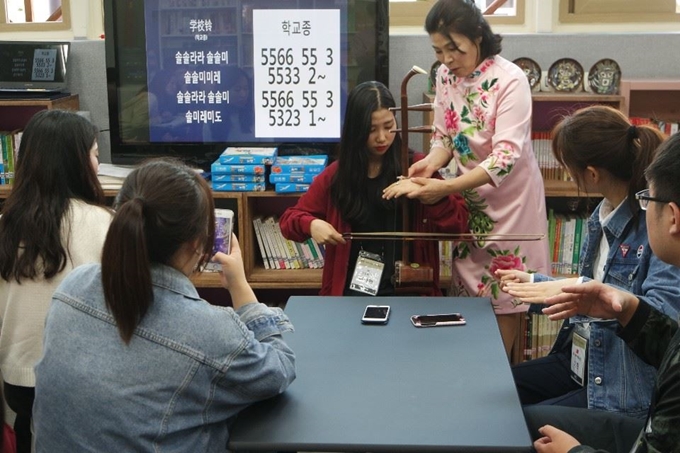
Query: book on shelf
299,178
231,178
284,187
299,164
248,155
260,241
247,169
281,253
238,186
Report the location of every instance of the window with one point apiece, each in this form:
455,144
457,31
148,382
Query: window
413,12
28,15
589,11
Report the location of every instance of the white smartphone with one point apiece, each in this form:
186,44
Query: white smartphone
224,221
444,319
376,314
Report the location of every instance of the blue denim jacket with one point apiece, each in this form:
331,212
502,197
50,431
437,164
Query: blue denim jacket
188,370
618,380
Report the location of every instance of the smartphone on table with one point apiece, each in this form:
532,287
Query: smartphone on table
376,314
444,319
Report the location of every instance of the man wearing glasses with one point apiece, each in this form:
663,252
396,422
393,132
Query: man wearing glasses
650,334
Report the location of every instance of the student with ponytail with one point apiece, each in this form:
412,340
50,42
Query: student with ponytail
134,359
589,366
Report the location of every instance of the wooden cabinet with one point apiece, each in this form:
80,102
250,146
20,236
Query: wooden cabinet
15,113
655,99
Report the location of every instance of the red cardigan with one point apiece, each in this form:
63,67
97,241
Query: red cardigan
450,215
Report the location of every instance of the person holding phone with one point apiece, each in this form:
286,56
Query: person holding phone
604,154
54,219
650,334
134,359
482,120
347,197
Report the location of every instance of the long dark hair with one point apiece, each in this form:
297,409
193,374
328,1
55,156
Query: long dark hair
53,166
464,18
348,188
162,205
602,137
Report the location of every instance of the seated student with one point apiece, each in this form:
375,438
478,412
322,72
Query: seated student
651,334
53,220
605,154
347,197
134,359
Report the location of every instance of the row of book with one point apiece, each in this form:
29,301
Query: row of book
280,253
550,168
566,233
539,335
9,145
667,127
240,169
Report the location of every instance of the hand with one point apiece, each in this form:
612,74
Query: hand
554,441
424,168
232,265
399,188
537,293
430,190
512,276
324,233
592,299
233,276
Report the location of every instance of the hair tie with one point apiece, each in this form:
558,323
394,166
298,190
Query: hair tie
632,132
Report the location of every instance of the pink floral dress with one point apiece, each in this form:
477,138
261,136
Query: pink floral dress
484,120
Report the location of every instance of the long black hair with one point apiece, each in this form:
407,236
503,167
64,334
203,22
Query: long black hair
53,166
348,188
162,205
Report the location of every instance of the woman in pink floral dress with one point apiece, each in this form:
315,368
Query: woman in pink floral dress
483,121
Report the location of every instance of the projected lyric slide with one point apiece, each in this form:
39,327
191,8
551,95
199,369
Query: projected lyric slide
246,70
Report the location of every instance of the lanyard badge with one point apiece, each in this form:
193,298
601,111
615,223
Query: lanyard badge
367,273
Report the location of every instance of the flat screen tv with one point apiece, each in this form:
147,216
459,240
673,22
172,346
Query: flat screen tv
187,78
33,66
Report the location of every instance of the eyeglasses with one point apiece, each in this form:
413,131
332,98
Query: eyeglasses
643,198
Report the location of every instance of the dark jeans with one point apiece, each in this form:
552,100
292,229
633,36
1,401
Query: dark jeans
609,431
20,400
547,381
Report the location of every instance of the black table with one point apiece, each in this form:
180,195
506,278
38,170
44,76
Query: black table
390,388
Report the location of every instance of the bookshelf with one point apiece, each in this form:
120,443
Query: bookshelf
652,98
15,112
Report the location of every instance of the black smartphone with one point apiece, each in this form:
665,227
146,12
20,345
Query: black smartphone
376,314
444,319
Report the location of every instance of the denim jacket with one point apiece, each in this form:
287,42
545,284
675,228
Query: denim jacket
617,379
188,370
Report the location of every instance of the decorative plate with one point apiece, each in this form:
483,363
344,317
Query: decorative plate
566,75
531,69
604,77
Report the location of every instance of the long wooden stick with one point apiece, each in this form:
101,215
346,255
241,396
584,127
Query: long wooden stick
459,237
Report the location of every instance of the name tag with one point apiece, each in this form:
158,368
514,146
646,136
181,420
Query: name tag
367,273
579,353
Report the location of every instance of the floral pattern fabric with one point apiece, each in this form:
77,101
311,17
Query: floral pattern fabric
485,120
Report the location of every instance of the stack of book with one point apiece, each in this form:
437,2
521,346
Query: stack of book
242,169
9,144
296,173
280,253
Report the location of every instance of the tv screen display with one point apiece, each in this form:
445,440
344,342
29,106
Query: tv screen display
187,78
33,66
